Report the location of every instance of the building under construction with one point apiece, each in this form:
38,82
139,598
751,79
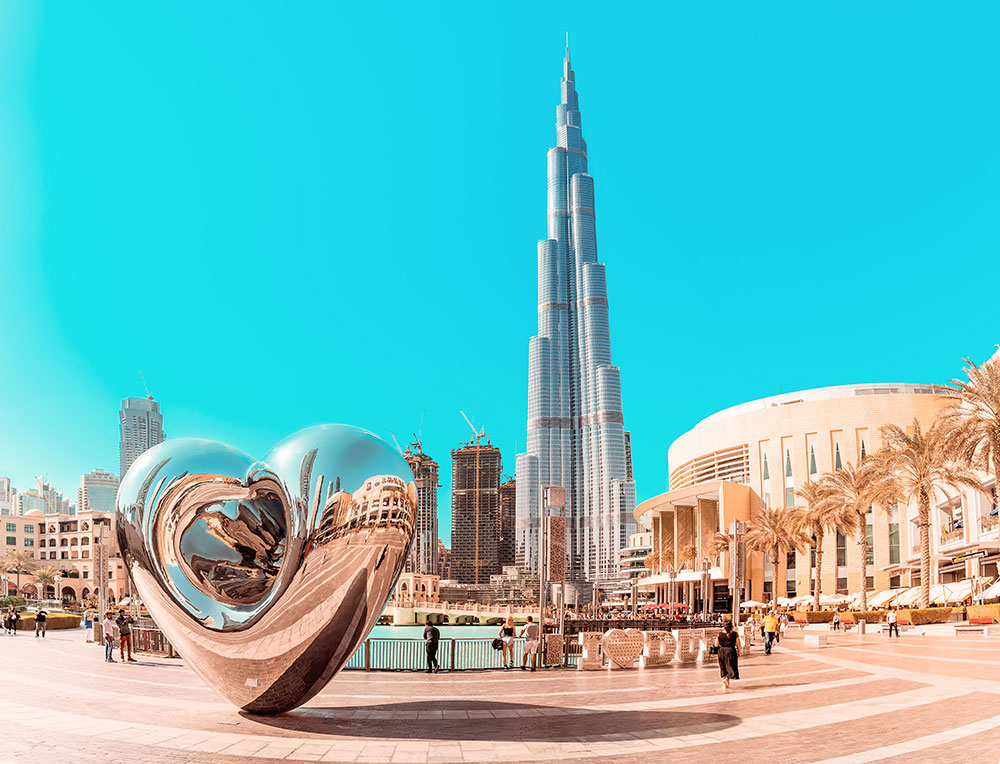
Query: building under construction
423,558
508,521
475,513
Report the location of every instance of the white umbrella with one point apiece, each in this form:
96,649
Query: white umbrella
753,603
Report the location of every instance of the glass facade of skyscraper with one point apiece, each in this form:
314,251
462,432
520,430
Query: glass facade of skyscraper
576,437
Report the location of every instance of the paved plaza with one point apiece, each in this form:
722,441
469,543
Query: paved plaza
924,698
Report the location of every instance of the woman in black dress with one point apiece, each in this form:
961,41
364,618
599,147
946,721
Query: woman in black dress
729,650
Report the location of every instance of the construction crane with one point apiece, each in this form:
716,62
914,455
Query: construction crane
398,447
144,385
478,435
420,431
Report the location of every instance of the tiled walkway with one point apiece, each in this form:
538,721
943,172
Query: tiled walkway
862,699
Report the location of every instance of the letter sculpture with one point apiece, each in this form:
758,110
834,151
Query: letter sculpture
688,644
659,650
267,575
590,651
622,647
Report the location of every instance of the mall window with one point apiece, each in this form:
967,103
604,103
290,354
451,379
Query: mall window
11,528
790,588
870,538
64,556
894,543
812,554
863,452
869,582
842,585
790,560
894,582
788,463
812,460
29,529
767,474
768,589
29,542
841,549
789,497
12,541
837,464
86,573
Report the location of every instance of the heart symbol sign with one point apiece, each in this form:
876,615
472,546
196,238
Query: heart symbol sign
267,575
623,646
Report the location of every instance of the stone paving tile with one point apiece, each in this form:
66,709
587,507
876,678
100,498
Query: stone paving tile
856,696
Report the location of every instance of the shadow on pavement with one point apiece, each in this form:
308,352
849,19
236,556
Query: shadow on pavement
529,723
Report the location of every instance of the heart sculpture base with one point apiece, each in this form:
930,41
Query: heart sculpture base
267,575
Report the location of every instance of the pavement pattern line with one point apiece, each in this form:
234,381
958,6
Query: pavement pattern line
917,744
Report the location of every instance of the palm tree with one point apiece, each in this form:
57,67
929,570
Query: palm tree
771,533
46,577
972,421
688,554
819,515
720,543
854,491
917,468
19,562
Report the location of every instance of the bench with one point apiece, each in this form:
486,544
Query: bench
815,640
983,627
980,622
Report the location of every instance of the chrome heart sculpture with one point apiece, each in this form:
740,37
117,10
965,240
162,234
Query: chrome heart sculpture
267,575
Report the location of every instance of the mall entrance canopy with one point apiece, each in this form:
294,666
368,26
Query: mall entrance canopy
687,565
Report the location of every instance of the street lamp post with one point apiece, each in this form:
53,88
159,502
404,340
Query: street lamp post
58,581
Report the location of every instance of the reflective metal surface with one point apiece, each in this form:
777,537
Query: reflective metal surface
266,575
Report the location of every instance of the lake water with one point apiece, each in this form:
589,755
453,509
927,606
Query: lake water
448,631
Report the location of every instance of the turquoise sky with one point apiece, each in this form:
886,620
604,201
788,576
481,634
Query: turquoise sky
287,214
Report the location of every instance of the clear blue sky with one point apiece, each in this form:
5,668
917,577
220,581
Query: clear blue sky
292,214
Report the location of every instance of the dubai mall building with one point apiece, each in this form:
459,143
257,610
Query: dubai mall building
756,454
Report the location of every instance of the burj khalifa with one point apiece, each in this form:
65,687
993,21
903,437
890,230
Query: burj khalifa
576,434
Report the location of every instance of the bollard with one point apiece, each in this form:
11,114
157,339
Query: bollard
861,627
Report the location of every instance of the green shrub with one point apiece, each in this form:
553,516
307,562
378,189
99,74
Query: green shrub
54,621
16,601
918,617
868,616
983,611
813,616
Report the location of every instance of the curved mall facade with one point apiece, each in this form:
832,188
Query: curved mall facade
756,454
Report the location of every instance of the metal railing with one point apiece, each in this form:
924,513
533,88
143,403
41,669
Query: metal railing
454,654
950,536
989,523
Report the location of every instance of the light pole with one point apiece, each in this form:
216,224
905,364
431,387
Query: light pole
551,496
58,581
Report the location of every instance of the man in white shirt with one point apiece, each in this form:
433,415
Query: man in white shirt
108,627
890,619
530,633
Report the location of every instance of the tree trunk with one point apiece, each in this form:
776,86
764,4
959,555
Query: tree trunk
863,543
819,570
924,513
774,579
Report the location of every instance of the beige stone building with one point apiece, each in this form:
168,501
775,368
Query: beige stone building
68,543
756,454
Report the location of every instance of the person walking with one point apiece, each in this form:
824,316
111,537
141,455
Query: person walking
770,629
432,635
88,624
108,626
507,632
530,633
12,620
40,616
890,618
728,643
124,623
836,621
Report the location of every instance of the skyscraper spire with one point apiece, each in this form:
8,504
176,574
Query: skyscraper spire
576,435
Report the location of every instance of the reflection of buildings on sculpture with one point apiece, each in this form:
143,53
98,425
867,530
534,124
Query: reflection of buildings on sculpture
68,543
758,453
382,502
414,587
